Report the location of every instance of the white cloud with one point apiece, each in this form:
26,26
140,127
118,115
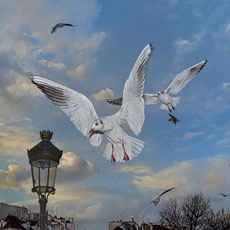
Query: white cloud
191,135
14,177
138,168
226,86
185,46
73,168
54,65
206,175
90,43
103,94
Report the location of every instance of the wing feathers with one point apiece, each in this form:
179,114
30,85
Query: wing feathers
183,78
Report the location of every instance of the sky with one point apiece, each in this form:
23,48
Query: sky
95,58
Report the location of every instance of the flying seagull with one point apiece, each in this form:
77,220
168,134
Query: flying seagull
80,110
156,200
224,195
173,119
59,25
177,84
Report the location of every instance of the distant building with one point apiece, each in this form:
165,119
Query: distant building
55,223
6,209
133,225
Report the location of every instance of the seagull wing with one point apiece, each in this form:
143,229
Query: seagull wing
55,27
117,101
132,108
165,192
75,105
68,24
145,208
151,99
183,78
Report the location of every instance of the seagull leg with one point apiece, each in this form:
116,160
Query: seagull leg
113,159
173,107
169,109
126,157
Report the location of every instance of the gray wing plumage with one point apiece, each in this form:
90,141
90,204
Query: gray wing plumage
59,25
132,108
183,78
75,105
165,192
117,101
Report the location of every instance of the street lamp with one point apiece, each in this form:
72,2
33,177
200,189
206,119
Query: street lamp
44,159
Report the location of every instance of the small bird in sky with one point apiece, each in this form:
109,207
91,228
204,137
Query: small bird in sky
59,25
173,119
224,195
157,199
177,84
80,110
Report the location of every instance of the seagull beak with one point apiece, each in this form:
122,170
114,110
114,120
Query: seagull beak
91,130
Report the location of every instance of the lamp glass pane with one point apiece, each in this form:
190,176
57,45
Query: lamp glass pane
35,176
52,176
43,176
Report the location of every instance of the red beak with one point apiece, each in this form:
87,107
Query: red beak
91,130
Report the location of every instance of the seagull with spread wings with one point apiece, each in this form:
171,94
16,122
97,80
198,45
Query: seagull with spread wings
177,84
80,110
224,195
59,25
173,119
156,200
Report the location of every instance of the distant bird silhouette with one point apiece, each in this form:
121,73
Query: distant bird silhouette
59,25
163,96
173,119
157,199
224,195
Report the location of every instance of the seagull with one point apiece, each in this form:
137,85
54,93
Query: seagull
177,84
157,199
59,25
173,119
80,110
224,195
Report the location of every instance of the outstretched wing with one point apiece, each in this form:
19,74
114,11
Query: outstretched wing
132,108
117,101
145,208
75,105
183,78
165,192
149,100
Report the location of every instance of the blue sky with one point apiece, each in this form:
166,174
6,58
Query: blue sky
95,58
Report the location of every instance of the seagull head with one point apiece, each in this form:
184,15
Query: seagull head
97,127
160,93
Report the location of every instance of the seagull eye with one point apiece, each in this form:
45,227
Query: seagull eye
96,124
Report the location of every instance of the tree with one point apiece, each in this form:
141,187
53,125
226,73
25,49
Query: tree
196,209
190,214
218,221
171,215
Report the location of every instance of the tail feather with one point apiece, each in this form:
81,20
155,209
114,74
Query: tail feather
132,146
176,100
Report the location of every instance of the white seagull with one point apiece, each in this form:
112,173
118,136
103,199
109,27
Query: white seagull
177,84
157,199
81,112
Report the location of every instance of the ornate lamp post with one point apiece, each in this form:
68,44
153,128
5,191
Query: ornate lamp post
44,159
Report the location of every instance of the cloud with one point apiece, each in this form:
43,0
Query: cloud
14,177
138,168
222,36
14,140
73,168
226,86
185,46
90,43
54,65
206,175
103,94
191,135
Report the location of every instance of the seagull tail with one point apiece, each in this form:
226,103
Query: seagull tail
132,146
175,101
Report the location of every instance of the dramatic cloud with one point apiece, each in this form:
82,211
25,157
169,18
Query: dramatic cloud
103,94
14,177
15,140
189,176
73,168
